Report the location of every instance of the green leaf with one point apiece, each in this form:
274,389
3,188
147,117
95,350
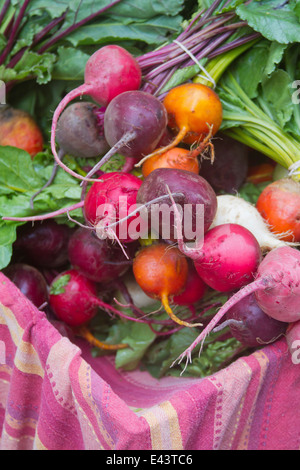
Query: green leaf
8,235
251,192
70,64
152,31
58,286
146,9
16,170
257,64
274,19
31,64
139,338
277,93
296,7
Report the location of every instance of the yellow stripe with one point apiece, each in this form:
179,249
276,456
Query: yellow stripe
155,433
164,427
9,319
84,375
175,433
27,360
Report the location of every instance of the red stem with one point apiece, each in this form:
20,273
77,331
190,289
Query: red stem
259,284
4,10
17,57
14,32
75,26
45,216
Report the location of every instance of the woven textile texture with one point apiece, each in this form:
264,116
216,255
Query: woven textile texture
55,396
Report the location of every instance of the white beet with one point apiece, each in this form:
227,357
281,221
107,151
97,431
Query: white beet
236,210
139,298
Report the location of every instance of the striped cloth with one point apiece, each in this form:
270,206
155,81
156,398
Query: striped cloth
55,396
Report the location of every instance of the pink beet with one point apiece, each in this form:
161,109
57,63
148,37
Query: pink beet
103,204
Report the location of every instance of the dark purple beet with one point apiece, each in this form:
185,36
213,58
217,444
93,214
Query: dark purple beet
229,170
138,112
99,260
189,190
44,244
251,326
30,282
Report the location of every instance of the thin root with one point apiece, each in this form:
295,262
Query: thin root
165,302
85,333
182,133
203,145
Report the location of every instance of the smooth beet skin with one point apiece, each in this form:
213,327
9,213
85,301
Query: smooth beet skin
44,244
252,327
135,112
111,199
19,129
72,298
194,290
229,258
30,282
79,133
99,260
229,169
281,299
110,71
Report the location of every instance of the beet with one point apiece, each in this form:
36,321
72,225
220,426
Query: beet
229,169
79,132
99,260
30,282
44,244
188,189
251,326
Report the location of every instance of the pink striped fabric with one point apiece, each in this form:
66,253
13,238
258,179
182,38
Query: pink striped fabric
55,396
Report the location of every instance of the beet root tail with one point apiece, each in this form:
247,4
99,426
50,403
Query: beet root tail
245,291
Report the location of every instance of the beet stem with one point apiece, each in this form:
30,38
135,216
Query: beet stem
165,302
4,10
128,137
258,284
14,32
142,206
17,57
238,323
75,26
50,215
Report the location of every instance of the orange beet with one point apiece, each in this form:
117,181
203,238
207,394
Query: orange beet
19,129
162,271
192,108
279,205
194,112
176,157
